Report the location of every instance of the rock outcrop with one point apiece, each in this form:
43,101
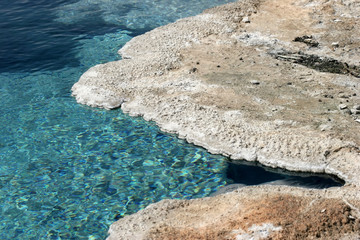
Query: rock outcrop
248,213
276,82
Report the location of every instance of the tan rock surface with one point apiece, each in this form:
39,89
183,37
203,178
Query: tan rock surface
271,81
263,212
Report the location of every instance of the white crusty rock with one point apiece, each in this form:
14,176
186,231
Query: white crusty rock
291,120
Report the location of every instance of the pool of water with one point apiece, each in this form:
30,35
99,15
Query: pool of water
68,171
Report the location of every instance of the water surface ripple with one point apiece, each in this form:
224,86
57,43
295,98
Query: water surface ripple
68,171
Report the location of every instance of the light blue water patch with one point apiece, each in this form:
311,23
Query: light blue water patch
70,171
133,14
101,49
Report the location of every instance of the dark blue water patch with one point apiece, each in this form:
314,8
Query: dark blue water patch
252,173
43,35
31,40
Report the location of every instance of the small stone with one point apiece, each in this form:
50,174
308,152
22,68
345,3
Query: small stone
356,107
335,44
324,127
346,111
193,70
308,40
159,73
311,42
343,95
355,111
342,106
255,82
327,152
246,20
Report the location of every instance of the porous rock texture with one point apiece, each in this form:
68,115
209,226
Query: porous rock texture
262,212
272,81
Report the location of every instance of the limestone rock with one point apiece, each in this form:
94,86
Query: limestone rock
275,123
247,213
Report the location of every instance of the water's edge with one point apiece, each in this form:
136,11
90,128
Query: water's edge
161,80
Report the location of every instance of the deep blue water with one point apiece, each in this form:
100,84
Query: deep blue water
68,171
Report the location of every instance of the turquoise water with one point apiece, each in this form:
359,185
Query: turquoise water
68,171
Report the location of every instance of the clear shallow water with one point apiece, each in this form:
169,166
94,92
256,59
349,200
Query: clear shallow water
68,171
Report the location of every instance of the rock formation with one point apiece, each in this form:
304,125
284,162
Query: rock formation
276,82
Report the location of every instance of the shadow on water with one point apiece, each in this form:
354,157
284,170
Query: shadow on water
250,173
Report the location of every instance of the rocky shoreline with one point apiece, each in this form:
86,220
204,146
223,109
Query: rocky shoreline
267,81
